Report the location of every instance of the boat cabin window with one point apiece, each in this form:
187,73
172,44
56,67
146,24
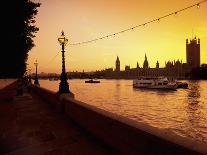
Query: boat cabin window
165,83
146,83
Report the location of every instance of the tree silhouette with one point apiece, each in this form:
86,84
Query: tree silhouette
18,33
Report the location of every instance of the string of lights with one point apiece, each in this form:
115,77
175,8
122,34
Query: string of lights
140,25
134,27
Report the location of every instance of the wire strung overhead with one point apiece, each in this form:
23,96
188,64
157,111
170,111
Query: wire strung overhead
143,24
51,60
134,27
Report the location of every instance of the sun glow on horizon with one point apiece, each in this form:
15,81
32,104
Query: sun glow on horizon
85,20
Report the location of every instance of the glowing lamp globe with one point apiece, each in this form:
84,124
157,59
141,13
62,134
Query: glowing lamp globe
62,39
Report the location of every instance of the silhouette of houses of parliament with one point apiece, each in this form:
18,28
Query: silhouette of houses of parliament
117,64
174,69
193,53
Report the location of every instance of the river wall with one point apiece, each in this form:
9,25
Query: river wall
125,135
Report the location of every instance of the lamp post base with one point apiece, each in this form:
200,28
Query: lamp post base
36,82
63,87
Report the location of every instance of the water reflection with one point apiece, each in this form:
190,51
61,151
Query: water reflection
183,111
194,92
193,111
117,89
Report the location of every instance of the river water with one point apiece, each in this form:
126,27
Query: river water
183,111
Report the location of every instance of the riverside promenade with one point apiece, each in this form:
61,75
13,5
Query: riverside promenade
29,126
42,122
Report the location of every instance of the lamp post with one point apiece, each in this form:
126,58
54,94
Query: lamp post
63,86
29,76
36,82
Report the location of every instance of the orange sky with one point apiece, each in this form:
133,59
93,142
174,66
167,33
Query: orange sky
87,19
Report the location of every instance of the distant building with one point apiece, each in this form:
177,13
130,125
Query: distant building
172,69
117,69
127,68
175,69
109,71
193,53
145,64
137,64
157,65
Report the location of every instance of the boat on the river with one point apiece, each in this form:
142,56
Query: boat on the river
154,83
92,81
53,78
182,84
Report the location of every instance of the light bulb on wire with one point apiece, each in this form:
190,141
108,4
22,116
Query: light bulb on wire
145,24
198,5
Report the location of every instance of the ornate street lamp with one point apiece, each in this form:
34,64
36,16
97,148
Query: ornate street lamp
36,82
63,86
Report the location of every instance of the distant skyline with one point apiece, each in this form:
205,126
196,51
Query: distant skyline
89,19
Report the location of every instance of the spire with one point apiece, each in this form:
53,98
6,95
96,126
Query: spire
137,64
117,64
145,64
145,56
117,60
157,65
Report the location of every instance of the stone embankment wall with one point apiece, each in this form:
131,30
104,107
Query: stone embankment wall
125,135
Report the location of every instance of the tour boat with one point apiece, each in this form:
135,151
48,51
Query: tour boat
92,81
154,83
182,84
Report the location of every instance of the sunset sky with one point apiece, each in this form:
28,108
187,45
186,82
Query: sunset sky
84,20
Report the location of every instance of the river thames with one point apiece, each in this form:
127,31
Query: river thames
183,111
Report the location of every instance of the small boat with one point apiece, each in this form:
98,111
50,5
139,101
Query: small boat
154,83
182,84
92,81
54,79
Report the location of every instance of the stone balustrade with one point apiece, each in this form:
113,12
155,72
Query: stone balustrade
125,135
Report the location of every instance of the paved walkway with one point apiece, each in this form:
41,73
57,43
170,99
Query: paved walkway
30,127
